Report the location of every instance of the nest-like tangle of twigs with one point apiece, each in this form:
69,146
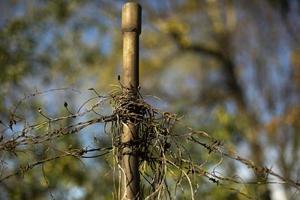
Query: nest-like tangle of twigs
152,140
152,127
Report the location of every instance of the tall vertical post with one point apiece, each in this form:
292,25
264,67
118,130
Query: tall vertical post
131,29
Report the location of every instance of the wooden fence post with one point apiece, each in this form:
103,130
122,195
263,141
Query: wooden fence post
131,29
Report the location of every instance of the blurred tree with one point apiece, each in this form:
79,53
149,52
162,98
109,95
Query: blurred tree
231,67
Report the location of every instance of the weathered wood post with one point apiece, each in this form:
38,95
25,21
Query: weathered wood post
131,29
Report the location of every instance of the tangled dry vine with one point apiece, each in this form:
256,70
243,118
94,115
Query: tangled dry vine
163,146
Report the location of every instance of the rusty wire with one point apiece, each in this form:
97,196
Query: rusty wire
162,145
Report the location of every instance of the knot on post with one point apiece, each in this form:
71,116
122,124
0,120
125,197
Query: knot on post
131,29
131,17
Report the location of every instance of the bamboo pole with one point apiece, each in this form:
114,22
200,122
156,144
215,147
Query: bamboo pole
131,29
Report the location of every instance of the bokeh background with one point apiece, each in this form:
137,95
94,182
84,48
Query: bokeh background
230,67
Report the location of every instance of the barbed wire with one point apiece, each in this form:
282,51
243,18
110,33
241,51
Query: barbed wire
162,145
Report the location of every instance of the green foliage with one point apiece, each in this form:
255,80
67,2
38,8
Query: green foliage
213,62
